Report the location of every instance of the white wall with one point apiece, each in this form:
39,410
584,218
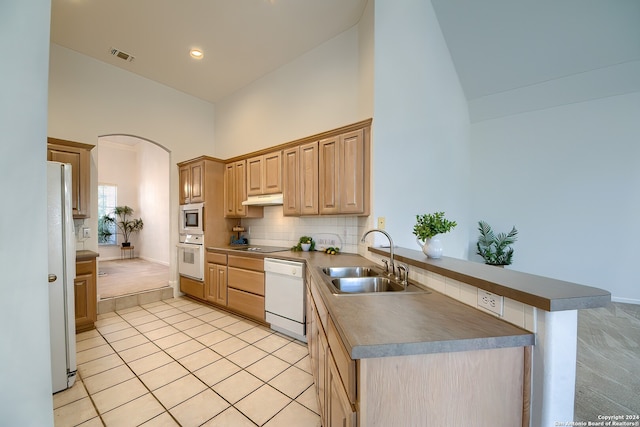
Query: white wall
568,178
25,366
89,98
316,92
153,196
421,126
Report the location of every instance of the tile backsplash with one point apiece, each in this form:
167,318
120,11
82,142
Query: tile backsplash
275,229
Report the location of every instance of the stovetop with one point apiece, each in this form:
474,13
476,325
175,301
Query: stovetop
259,248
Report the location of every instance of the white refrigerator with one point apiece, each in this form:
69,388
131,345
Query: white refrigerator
62,272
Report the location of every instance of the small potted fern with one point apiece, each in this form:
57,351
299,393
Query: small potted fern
495,248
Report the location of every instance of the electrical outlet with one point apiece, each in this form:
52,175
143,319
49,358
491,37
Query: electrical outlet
381,222
491,302
86,233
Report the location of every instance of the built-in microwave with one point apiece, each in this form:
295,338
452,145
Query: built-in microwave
192,218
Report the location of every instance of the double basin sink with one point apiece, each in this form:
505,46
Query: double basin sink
364,280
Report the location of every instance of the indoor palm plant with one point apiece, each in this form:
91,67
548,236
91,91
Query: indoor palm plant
427,227
125,225
494,248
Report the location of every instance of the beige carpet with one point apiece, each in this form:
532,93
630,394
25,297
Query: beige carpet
130,276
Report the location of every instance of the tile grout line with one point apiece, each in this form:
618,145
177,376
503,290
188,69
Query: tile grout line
235,335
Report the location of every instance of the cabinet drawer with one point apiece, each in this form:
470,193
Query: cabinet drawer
346,366
246,303
256,264
85,267
216,258
246,280
192,287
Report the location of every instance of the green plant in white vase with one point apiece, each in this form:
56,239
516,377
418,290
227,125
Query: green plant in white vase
427,227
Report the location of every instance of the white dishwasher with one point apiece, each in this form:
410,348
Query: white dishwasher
284,297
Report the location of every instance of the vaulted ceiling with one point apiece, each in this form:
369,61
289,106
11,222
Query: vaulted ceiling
496,45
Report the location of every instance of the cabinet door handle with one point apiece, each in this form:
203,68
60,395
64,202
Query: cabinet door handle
52,278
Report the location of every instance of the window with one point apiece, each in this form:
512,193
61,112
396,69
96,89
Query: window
107,202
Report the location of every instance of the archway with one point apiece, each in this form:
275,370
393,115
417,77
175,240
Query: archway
135,172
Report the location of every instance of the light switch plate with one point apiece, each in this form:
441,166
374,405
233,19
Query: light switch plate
382,222
86,233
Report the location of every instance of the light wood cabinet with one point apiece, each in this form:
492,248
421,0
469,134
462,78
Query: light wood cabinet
340,412
192,182
216,280
264,174
300,180
246,286
344,174
192,287
235,192
85,296
78,155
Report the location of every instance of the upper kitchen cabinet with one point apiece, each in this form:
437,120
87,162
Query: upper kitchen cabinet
344,173
78,155
192,182
300,180
264,174
202,181
235,192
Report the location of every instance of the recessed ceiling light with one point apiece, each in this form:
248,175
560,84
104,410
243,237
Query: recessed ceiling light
196,53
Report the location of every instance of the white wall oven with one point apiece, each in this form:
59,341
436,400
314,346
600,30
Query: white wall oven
192,218
191,256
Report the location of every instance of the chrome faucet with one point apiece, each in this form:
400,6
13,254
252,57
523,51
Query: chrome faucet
391,255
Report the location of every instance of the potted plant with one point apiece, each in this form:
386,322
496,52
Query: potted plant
427,227
120,218
305,244
494,248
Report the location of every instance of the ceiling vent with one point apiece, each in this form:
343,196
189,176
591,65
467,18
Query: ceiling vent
122,55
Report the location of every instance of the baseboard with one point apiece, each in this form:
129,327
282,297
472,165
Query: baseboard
155,261
625,300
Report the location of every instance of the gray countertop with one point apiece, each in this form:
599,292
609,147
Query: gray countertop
382,325
538,291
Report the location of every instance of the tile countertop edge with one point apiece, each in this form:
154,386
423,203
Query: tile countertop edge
541,292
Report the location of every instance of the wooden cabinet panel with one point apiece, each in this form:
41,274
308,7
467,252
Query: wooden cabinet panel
351,172
85,304
246,303
192,287
264,174
339,411
344,364
246,280
235,192
291,181
192,182
256,264
216,284
329,191
78,155
217,258
300,180
344,180
254,176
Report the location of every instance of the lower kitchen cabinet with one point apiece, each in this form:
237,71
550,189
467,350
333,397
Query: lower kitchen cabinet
245,293
192,287
85,293
479,387
215,284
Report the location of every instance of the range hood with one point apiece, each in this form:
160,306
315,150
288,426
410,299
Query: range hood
264,200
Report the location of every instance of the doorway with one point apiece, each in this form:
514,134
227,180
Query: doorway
134,172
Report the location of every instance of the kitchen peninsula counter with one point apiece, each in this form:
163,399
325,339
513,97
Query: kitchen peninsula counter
399,324
537,291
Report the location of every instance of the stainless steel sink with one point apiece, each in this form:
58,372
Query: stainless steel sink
357,285
349,272
366,285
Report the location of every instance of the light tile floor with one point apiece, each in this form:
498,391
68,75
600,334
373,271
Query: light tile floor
178,362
